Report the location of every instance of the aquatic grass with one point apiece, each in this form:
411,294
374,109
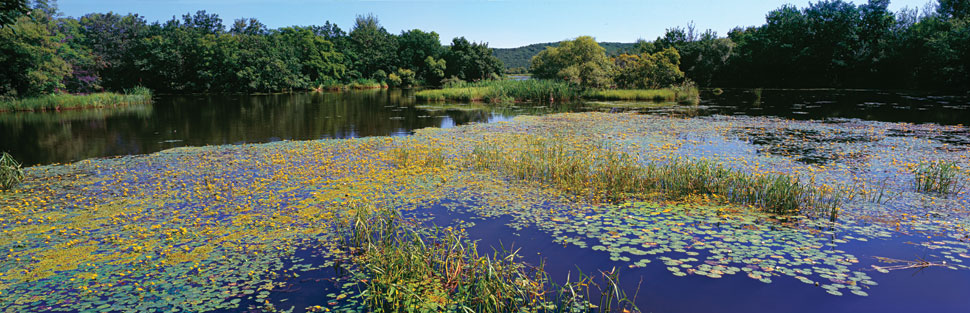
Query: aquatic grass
539,90
63,101
414,269
11,174
411,155
602,174
500,91
411,268
658,95
941,177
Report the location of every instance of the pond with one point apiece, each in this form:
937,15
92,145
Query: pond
176,121
239,226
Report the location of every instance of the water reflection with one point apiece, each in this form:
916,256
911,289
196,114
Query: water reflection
196,120
875,105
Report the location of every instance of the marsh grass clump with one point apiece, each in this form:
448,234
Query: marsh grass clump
602,174
11,174
942,177
686,94
502,91
539,90
55,102
410,268
417,155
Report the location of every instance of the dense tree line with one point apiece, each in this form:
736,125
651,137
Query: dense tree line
42,52
833,43
830,43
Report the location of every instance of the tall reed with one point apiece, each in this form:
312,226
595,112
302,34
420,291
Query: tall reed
418,269
602,174
11,174
497,91
63,101
942,177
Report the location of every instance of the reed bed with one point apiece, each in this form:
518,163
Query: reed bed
419,269
941,177
684,94
633,94
537,90
11,174
63,101
498,91
604,175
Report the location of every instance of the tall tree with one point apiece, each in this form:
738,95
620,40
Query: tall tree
373,49
29,60
471,61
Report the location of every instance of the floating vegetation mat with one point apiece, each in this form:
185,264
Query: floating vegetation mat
219,228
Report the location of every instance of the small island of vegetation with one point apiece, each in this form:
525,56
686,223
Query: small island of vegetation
580,69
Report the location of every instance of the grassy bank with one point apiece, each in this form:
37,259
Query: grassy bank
679,94
495,91
498,91
56,102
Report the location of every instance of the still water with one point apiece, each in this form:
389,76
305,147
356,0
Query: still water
173,121
198,120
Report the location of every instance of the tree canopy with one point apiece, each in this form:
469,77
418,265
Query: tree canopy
580,61
43,52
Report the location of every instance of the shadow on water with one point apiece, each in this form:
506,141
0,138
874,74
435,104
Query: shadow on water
198,120
873,105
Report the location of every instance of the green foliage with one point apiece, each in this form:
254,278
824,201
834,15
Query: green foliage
702,56
10,10
402,78
580,61
433,71
649,71
365,83
372,48
320,59
11,174
940,177
840,44
470,61
521,56
30,62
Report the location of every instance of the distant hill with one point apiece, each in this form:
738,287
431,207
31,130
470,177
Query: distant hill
519,57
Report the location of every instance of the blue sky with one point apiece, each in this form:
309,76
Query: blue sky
501,23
